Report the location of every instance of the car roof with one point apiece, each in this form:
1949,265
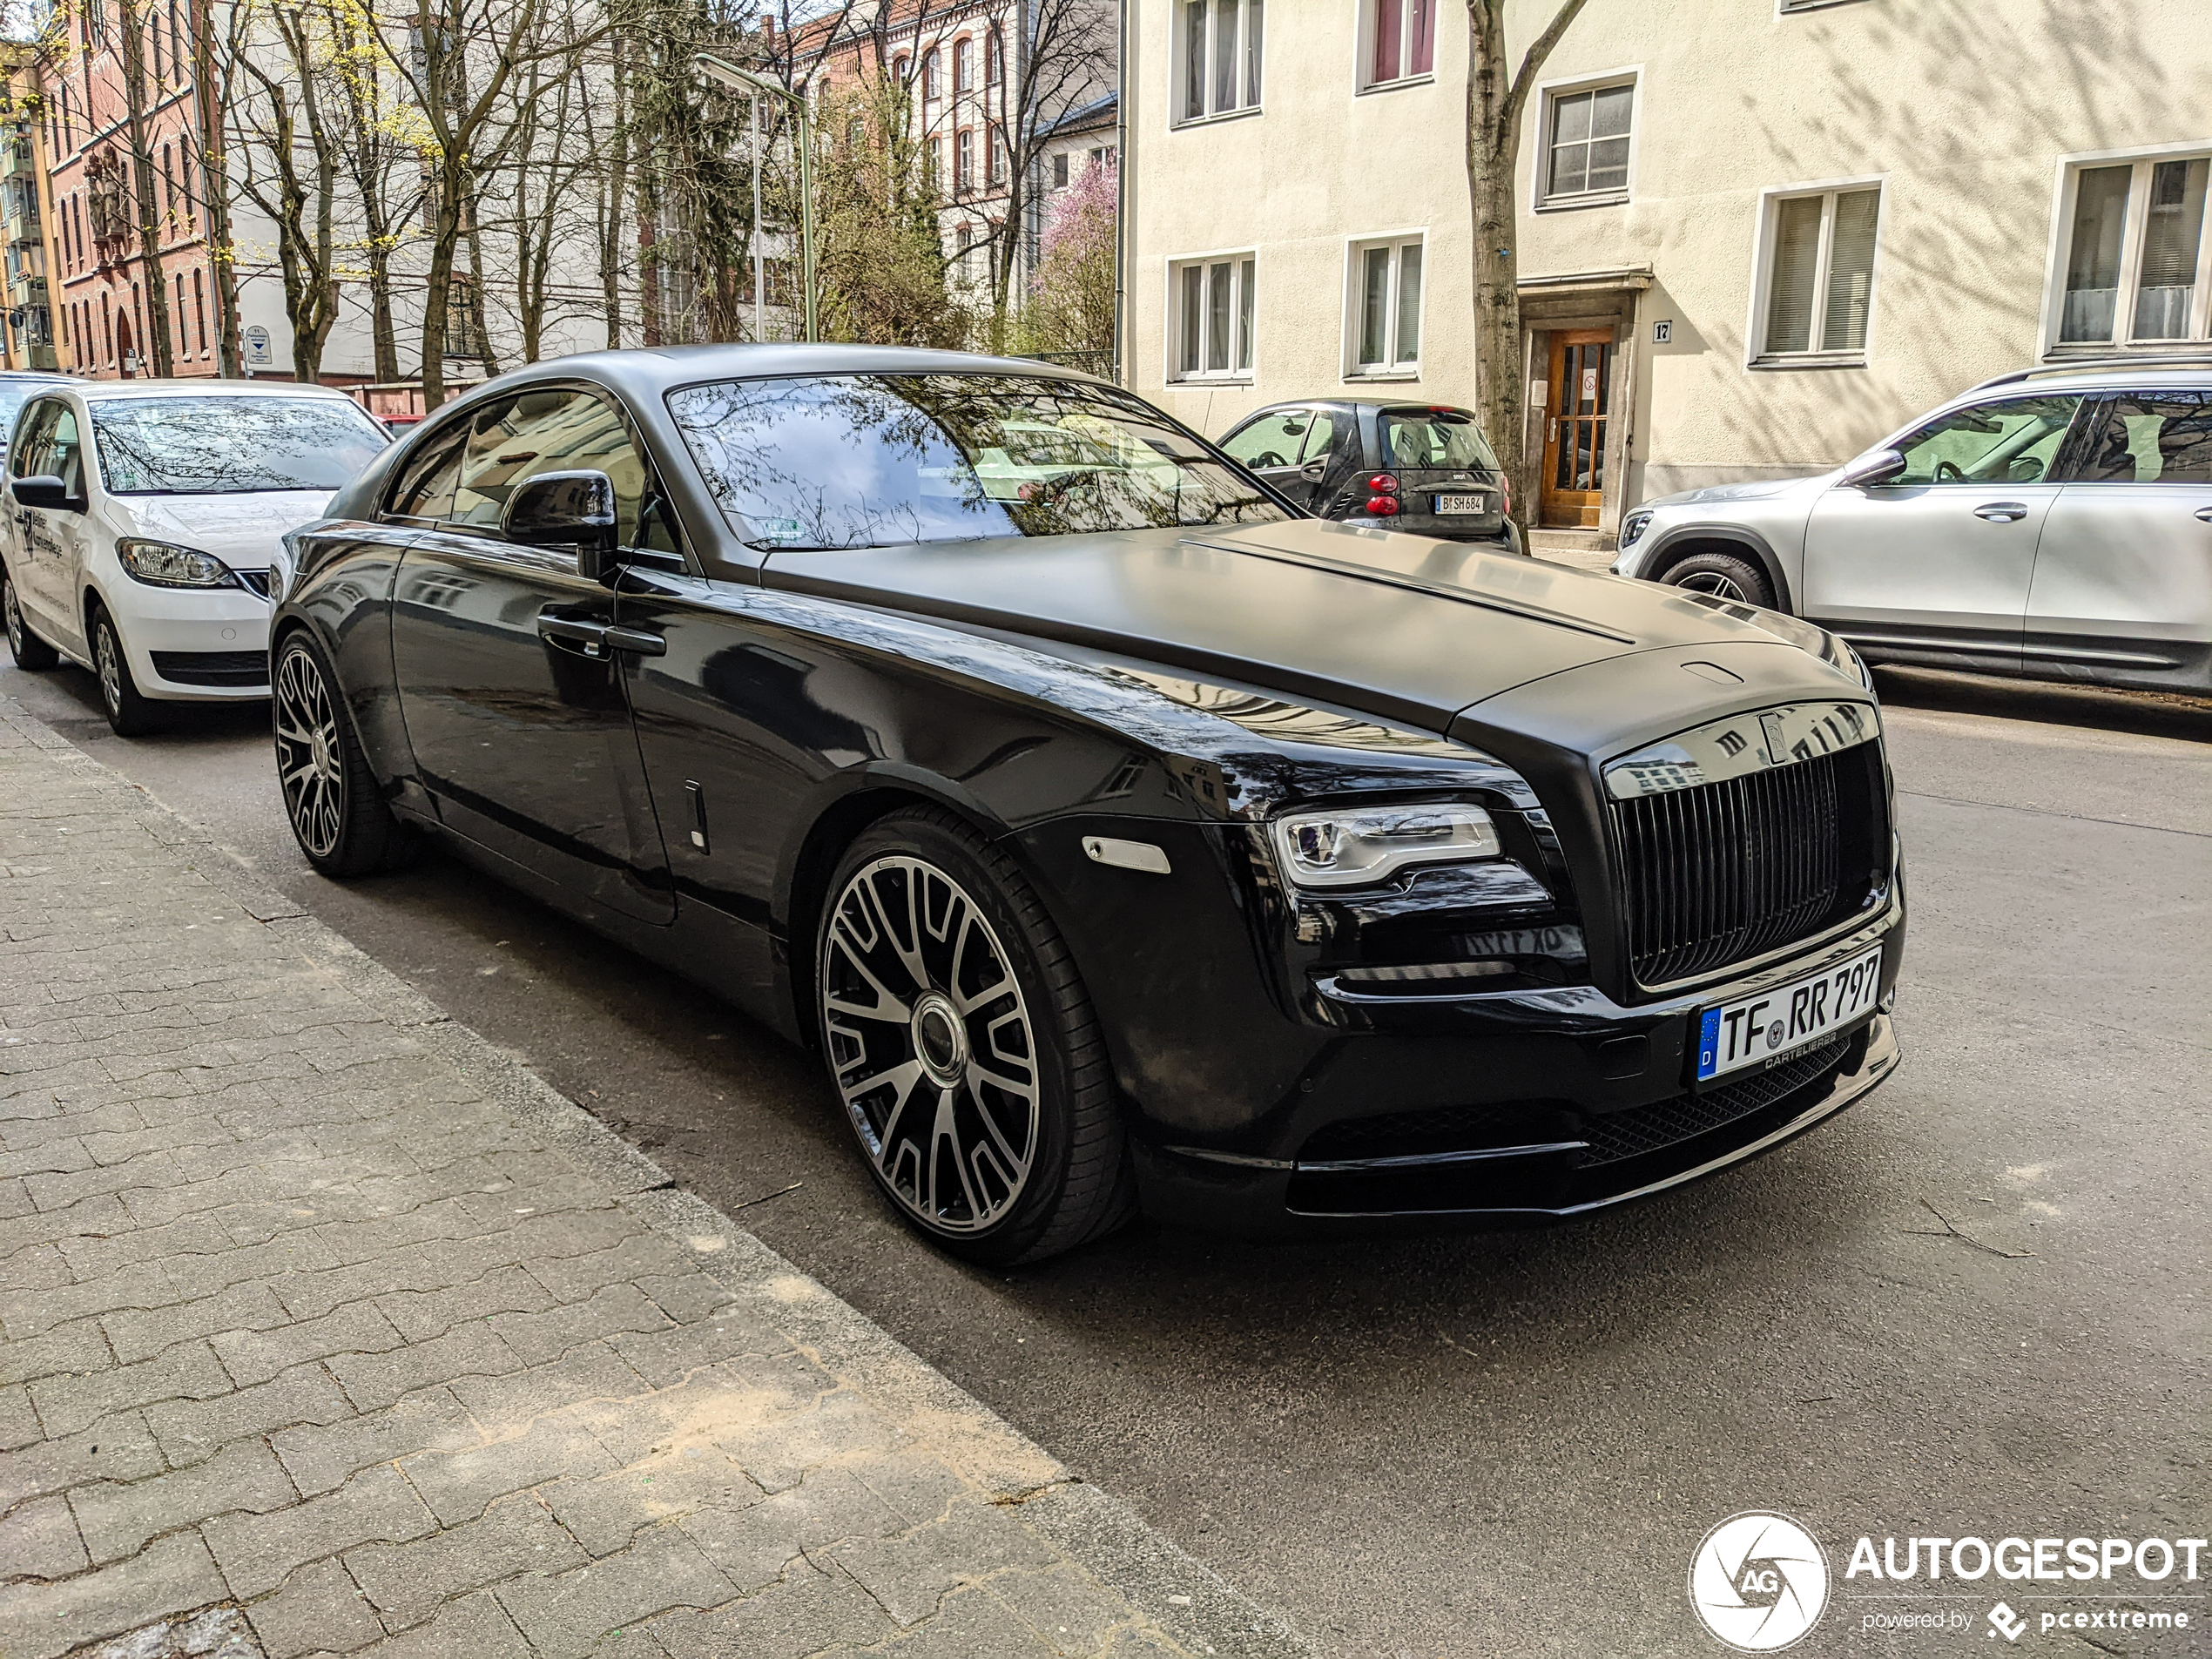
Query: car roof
208,386
2104,374
648,371
1332,401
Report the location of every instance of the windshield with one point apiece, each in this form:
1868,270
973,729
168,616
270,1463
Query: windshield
883,460
1413,439
229,445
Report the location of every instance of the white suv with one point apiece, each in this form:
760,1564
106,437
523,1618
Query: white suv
2055,522
140,522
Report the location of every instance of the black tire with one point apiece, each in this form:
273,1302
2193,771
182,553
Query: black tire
1724,576
338,815
130,711
29,651
903,1010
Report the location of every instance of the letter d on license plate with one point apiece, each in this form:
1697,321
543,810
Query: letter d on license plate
1775,1024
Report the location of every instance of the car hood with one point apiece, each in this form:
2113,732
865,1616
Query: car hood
242,529
1763,489
1403,627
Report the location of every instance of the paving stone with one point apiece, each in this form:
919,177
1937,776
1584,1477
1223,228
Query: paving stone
666,1357
475,1627
592,1372
408,1582
117,1518
579,1275
258,1552
778,1450
917,1483
752,1546
319,1610
175,1573
806,1612
188,1371
375,1379
18,1422
419,1315
729,1399
39,1540
972,1622
458,1484
80,1347
256,1356
189,1430
911,1572
605,1512
322,1458
688,1298
137,1336
1070,1609
542,1337
117,1448
564,1616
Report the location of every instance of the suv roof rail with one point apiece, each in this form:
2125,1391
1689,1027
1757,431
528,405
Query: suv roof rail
2089,365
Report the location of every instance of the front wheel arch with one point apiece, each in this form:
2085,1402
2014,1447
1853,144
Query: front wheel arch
1740,544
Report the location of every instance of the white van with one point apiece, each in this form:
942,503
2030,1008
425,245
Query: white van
143,515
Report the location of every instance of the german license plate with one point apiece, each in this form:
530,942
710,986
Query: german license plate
1446,505
1774,1025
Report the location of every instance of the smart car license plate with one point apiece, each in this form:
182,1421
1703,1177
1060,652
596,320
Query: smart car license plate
1774,1025
1446,505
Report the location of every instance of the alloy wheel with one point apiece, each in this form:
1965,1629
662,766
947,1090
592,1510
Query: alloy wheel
107,660
931,1043
14,618
310,762
1713,583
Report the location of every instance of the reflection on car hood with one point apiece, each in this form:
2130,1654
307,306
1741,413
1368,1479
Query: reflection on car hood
1760,489
1403,627
241,529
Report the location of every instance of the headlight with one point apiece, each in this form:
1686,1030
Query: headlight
1634,526
166,566
1359,846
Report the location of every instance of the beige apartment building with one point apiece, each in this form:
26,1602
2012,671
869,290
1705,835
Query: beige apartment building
1755,236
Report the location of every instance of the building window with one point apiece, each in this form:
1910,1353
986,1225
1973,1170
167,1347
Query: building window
964,152
200,311
1060,171
996,152
1386,308
1817,276
464,321
932,82
1397,40
937,166
994,62
1213,308
1218,46
963,66
2135,256
1586,146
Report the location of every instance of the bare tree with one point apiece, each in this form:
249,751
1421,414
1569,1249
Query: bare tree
378,142
131,22
1495,103
210,89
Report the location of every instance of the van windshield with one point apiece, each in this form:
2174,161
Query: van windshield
229,445
884,459
1448,439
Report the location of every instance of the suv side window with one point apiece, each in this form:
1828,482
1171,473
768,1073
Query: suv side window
557,429
2015,441
425,490
2152,438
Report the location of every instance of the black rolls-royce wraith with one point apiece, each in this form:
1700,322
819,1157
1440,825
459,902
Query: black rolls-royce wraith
1118,835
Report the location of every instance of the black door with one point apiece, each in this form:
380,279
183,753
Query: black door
1291,448
508,682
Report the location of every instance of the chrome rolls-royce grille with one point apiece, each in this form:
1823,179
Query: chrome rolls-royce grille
1724,861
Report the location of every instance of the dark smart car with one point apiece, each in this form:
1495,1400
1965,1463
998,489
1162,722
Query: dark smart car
1119,836
1412,466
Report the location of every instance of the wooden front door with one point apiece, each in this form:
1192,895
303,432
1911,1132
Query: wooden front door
1576,403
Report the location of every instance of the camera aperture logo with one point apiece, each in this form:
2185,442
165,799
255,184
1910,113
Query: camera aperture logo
1759,1581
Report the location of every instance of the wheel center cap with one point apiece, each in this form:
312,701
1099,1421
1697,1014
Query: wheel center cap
319,750
941,1039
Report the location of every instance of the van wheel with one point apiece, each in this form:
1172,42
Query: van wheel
29,651
129,710
1723,577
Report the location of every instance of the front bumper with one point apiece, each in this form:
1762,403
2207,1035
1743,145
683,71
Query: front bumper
1566,1103
193,645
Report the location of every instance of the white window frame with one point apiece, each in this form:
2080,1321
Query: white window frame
1364,62
2065,193
1755,352
1179,61
1355,265
1237,259
1548,93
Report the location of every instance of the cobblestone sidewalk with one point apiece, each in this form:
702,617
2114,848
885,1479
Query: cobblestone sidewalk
324,1327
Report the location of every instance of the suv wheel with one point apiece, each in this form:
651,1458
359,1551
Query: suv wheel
1724,576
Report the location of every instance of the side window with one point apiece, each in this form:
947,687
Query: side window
65,456
1273,441
1331,431
555,430
425,490
33,454
2165,439
2015,441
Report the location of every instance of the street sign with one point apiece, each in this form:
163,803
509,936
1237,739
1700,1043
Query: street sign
257,346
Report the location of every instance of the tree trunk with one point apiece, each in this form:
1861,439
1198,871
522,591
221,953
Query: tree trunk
156,280
1495,102
215,188
444,238
380,309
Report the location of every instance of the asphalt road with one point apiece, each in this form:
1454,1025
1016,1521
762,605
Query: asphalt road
1976,1303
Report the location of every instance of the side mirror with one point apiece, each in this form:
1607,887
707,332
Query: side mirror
47,491
565,510
1877,469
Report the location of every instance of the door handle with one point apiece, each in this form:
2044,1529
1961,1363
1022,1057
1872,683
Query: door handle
1312,471
598,638
2001,512
2205,514
637,641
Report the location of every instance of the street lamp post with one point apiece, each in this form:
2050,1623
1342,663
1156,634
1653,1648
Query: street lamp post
744,80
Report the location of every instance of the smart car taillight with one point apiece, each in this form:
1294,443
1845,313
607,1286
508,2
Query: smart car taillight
1382,506
1383,484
